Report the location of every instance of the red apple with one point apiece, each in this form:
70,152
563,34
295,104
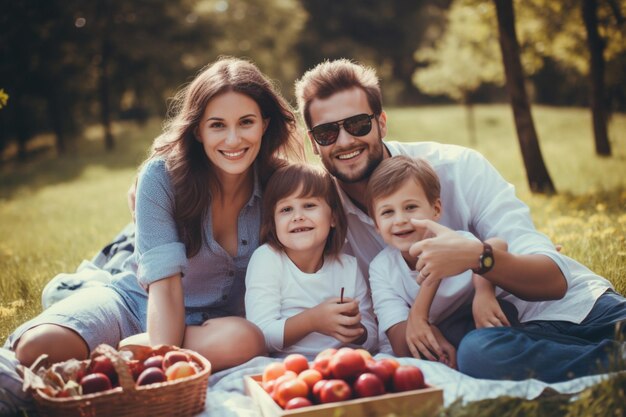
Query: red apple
151,376
408,378
347,364
154,362
179,370
322,365
366,355
297,402
335,390
174,356
368,385
310,376
136,368
103,365
296,362
269,386
317,388
326,353
291,389
273,371
382,370
95,382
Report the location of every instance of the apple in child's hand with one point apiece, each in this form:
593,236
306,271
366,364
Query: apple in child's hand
335,390
174,356
151,376
347,364
291,389
103,365
368,385
408,378
179,370
154,362
296,362
297,402
95,382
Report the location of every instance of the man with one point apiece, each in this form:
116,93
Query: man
341,104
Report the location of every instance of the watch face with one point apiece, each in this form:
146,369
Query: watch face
487,261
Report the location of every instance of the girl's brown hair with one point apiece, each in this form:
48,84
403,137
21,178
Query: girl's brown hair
392,172
189,167
309,181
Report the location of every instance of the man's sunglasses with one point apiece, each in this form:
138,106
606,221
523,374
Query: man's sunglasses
327,133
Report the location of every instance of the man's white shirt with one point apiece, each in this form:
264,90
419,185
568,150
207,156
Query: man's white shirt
477,199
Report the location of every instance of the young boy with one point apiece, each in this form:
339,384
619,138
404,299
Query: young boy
401,189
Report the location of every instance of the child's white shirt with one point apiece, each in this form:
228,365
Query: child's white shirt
394,289
277,289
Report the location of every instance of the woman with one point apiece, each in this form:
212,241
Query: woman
198,212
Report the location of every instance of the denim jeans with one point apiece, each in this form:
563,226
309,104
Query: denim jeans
550,351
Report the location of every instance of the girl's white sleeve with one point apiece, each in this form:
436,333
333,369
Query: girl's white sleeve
263,301
367,311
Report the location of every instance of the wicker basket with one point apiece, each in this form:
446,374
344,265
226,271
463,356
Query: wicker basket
182,397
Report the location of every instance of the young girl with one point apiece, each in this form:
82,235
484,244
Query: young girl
198,217
301,292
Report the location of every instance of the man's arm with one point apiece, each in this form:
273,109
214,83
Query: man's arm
447,253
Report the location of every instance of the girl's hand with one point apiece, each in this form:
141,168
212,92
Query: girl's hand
421,339
341,321
487,312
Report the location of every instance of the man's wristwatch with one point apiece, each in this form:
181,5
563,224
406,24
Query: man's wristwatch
486,261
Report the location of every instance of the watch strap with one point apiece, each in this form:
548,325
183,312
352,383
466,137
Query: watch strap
485,261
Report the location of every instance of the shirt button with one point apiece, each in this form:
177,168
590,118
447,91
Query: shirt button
205,316
224,297
231,273
244,242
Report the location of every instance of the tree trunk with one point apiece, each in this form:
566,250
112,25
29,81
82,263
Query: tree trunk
538,177
105,104
596,77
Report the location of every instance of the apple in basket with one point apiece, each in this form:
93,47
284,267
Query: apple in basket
95,382
103,365
151,376
179,370
174,356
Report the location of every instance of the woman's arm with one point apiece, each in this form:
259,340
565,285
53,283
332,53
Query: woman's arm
166,312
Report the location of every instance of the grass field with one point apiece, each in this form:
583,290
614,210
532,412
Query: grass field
56,211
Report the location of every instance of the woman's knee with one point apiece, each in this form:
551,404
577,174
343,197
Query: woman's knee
246,336
58,342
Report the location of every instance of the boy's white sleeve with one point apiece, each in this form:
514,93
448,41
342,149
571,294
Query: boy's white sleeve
263,302
367,312
389,306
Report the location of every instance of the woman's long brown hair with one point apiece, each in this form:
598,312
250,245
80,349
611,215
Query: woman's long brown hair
186,161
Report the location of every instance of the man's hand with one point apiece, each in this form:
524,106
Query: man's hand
442,252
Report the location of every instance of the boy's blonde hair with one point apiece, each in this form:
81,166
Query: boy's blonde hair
310,181
392,172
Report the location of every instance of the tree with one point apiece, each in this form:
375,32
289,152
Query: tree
538,178
462,59
596,77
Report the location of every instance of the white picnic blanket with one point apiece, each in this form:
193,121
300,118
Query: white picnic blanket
226,396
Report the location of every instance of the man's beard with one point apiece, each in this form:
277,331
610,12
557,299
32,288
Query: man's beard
351,178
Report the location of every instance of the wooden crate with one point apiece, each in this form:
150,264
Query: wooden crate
423,402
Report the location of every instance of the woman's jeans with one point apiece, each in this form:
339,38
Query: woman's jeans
550,351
